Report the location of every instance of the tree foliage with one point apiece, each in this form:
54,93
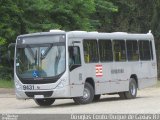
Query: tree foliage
137,16
28,16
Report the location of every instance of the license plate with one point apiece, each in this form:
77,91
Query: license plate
38,96
28,87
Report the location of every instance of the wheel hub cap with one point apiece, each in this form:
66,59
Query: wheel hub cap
133,89
86,94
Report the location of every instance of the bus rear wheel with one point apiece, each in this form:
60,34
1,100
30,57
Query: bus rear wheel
88,95
132,93
44,102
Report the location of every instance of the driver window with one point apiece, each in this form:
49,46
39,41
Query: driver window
74,55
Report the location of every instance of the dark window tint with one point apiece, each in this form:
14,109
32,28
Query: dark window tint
144,49
105,50
74,55
132,50
119,50
151,50
90,51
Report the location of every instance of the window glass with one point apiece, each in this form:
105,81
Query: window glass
90,51
45,60
105,50
151,49
119,50
132,50
144,49
74,55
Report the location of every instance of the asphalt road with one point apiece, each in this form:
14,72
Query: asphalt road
147,101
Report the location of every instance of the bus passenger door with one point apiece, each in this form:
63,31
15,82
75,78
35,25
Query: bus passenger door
75,71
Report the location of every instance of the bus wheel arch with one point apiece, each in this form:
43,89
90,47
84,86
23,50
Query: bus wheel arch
90,81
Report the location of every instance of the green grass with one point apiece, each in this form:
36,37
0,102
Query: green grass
6,84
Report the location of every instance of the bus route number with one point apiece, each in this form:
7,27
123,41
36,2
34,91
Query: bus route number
28,87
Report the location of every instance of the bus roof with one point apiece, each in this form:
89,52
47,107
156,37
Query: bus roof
113,35
96,35
51,32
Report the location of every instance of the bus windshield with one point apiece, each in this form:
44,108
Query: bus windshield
40,60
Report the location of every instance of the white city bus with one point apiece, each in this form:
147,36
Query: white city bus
83,65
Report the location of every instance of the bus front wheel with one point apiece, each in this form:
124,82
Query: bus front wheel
44,102
88,95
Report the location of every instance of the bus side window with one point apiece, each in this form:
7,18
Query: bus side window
151,50
90,48
119,50
132,50
105,50
74,56
86,57
144,48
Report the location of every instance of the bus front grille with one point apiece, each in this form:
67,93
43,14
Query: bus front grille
44,93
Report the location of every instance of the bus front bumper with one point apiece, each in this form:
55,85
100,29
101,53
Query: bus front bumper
63,92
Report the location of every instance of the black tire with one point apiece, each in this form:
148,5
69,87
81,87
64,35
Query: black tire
44,102
88,95
96,98
132,93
